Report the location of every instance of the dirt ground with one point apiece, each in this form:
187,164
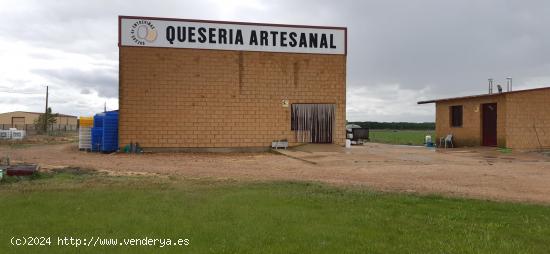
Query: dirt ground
479,173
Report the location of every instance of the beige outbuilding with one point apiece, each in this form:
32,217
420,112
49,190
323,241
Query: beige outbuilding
23,120
516,119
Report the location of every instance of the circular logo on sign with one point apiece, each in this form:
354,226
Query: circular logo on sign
143,31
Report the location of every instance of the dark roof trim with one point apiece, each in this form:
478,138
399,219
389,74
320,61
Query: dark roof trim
233,22
482,95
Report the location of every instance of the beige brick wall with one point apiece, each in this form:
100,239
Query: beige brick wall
6,118
172,98
470,132
66,120
527,111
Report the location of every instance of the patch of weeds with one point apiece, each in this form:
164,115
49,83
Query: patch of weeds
15,144
63,173
19,145
504,150
14,179
74,171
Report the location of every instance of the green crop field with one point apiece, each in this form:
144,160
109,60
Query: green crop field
256,217
400,137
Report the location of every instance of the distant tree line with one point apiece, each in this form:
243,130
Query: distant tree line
396,125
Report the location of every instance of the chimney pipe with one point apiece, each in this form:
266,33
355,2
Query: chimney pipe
490,86
509,83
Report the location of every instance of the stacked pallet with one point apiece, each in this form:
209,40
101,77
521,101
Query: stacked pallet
85,133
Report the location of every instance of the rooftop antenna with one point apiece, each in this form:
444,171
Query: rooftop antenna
105,107
490,86
509,84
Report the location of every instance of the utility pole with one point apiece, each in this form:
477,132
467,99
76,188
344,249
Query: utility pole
46,112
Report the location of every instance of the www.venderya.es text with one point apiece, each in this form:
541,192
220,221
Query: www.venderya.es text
95,241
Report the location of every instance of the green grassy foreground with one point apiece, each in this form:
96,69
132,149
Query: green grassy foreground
400,137
279,217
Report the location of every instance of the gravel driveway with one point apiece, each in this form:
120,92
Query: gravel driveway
479,172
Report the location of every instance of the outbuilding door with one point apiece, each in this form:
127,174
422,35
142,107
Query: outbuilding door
18,122
489,124
313,123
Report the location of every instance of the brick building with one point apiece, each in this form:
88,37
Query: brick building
518,119
192,84
23,120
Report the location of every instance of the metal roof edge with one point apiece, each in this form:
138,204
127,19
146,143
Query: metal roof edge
481,95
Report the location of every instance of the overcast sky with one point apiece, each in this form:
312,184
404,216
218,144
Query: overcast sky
399,52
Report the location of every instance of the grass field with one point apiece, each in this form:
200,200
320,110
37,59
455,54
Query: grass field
273,217
400,137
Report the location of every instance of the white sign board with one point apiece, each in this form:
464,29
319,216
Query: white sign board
198,34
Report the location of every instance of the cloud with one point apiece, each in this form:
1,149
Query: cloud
85,91
103,81
399,51
388,102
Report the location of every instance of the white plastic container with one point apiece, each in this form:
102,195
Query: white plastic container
17,134
348,143
5,134
85,138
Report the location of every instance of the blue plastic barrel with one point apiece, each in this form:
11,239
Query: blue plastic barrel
110,132
97,138
98,119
